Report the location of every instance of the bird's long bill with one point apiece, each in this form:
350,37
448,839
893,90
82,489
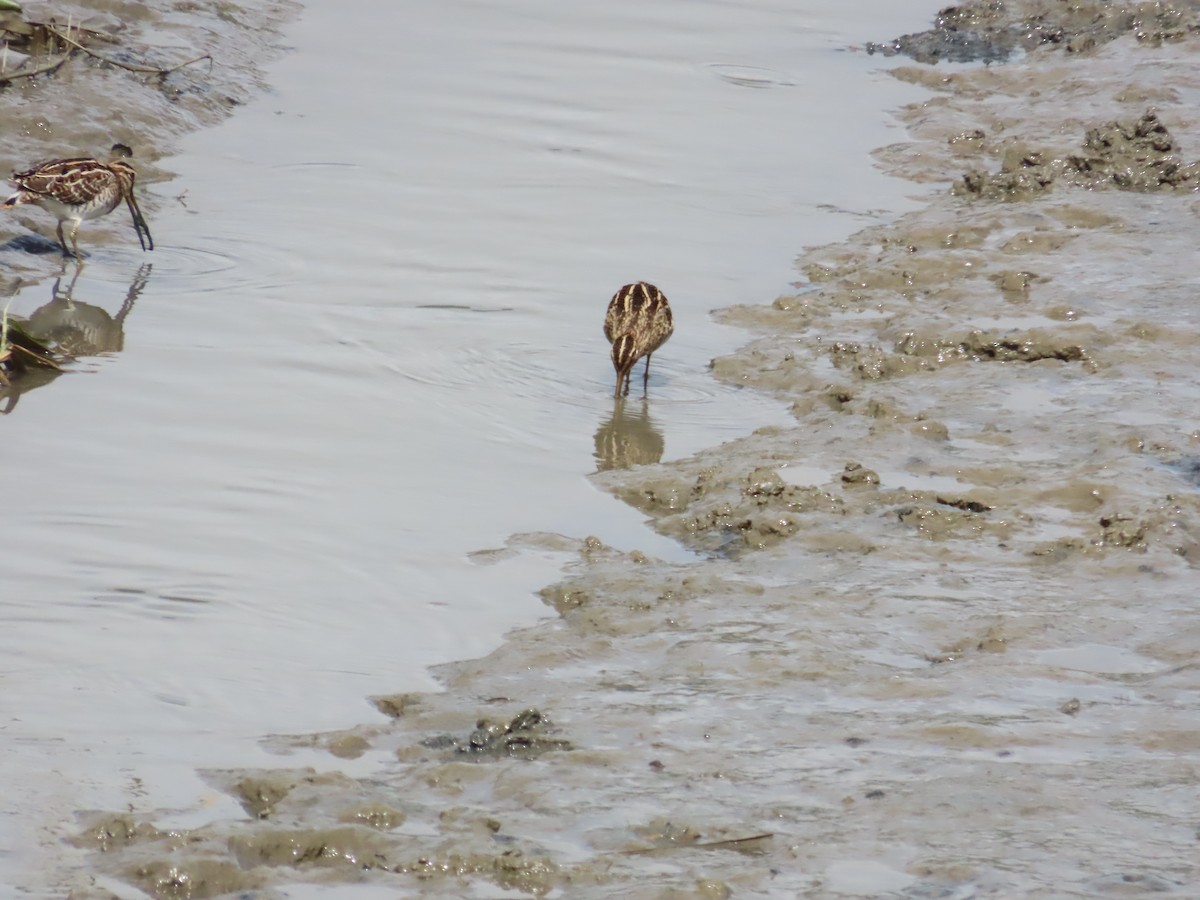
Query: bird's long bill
622,381
139,223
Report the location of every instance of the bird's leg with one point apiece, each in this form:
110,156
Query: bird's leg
61,240
75,243
74,278
646,375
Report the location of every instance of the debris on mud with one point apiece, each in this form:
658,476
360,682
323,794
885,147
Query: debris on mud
32,48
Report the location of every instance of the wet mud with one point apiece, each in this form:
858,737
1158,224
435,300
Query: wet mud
940,639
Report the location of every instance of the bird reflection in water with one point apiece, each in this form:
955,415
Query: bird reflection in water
628,437
81,329
73,328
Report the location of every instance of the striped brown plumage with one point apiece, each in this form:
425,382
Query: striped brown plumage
73,190
638,322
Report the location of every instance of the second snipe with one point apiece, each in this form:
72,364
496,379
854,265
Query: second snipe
73,190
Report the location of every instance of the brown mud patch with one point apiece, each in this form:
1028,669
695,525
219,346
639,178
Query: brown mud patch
940,639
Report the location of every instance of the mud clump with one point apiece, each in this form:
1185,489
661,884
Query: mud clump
937,522
765,513
260,796
193,879
1139,155
396,706
510,870
107,832
921,352
1133,156
858,474
379,816
1023,173
1122,532
980,345
356,848
737,514
1015,285
526,735
348,746
1169,526
989,32
871,362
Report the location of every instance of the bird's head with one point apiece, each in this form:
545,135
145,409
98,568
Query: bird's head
624,352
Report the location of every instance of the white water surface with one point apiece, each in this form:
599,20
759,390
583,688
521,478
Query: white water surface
369,344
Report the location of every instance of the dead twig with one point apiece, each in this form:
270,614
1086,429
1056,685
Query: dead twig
165,72
41,69
740,844
146,70
35,356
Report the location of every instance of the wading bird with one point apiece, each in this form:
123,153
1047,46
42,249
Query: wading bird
72,190
638,322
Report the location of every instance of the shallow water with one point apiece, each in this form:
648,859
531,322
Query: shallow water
368,344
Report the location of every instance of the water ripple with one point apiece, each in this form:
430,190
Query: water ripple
750,76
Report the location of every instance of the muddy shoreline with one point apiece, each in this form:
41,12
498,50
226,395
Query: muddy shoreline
942,640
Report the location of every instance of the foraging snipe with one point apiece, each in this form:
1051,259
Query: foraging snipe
72,190
638,322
